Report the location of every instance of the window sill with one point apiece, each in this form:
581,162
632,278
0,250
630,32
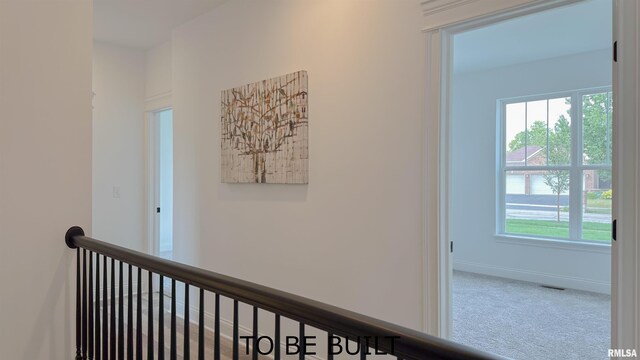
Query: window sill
553,243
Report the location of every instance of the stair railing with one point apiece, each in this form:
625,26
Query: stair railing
100,314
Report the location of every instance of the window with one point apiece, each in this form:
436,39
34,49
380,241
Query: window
555,166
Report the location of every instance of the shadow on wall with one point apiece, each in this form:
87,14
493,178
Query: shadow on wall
263,192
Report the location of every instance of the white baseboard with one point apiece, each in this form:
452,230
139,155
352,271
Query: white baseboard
563,281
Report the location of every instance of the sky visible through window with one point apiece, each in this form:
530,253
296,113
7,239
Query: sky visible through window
536,111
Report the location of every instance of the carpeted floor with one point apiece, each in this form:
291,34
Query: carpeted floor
522,320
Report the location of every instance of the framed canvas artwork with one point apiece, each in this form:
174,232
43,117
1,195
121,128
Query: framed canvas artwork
264,130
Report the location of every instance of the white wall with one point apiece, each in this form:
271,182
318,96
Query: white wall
158,71
45,171
474,180
118,145
352,236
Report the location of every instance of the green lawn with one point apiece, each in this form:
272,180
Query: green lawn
590,230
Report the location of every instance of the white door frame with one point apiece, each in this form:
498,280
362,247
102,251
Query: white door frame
447,17
152,107
153,179
625,282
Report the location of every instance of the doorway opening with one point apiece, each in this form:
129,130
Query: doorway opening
529,183
161,131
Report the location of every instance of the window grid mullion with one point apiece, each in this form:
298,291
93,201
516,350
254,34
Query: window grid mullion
576,167
595,167
526,132
575,185
538,168
502,207
547,162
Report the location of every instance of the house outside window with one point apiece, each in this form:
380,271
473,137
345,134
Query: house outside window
554,166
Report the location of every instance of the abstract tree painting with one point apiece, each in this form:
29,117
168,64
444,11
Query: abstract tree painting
264,128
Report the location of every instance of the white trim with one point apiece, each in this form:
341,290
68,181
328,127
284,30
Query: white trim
473,14
430,7
556,167
535,167
444,171
569,282
154,106
466,16
160,96
553,243
576,185
150,180
158,102
626,251
556,94
432,270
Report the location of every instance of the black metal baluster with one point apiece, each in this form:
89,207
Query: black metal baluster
121,314
84,303
150,319
90,306
216,329
302,346
186,351
276,340
130,316
363,349
105,310
112,336
235,330
174,349
255,334
201,327
97,314
139,317
161,320
329,347
78,308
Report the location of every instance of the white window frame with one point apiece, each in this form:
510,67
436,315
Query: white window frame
575,168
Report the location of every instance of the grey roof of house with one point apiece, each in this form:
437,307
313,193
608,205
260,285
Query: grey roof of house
519,154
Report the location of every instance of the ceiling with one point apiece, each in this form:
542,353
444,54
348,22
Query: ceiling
144,23
569,30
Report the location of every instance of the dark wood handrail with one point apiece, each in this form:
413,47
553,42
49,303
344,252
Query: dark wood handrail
400,341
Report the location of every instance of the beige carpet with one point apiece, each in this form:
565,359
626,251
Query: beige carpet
523,320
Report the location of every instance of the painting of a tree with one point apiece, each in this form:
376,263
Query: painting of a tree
264,129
